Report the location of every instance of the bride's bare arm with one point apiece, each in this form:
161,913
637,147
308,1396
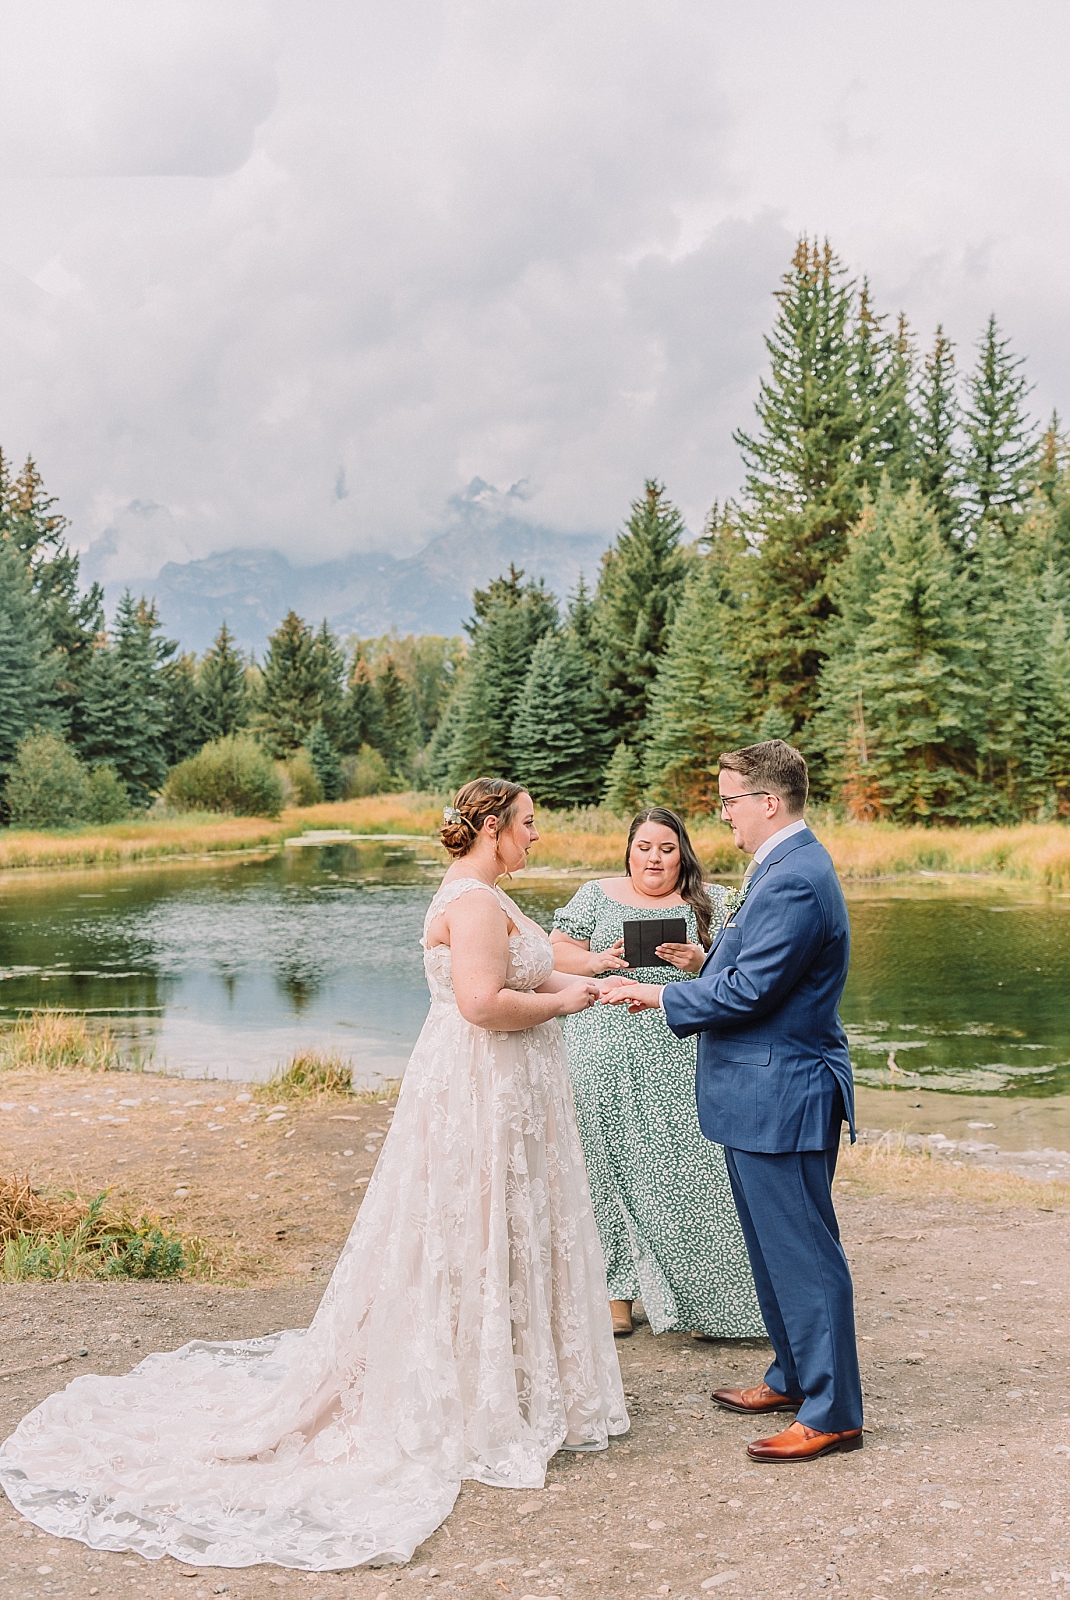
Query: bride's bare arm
479,945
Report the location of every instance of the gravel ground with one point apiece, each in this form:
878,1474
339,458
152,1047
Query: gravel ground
961,1487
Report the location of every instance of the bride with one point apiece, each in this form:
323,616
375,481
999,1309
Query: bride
465,1332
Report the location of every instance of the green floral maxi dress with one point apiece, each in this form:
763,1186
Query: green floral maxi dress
662,1200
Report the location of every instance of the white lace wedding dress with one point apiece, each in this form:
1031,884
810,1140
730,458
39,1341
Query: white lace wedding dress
465,1334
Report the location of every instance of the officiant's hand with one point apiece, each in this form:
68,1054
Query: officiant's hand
609,960
636,996
576,956
688,957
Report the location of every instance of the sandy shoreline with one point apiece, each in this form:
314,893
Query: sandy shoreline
962,1312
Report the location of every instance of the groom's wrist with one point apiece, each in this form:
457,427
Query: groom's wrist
661,997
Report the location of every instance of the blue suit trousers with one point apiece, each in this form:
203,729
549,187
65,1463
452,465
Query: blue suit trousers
803,1280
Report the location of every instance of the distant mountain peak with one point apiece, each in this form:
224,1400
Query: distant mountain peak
369,592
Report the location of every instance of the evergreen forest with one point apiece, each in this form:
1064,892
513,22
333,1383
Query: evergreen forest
890,591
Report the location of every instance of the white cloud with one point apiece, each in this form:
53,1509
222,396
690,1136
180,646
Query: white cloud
254,253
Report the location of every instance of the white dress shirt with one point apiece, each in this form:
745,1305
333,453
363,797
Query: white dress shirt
774,839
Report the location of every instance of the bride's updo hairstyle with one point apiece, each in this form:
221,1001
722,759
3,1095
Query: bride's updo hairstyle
472,805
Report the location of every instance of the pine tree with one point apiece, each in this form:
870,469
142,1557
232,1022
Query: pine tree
441,746
623,784
330,661
580,622
939,471
1054,686
641,580
510,617
802,488
559,745
1001,450
1012,611
1052,461
145,656
881,377
182,709
28,519
400,726
114,727
28,667
224,688
325,762
902,704
429,663
698,703
361,721
291,689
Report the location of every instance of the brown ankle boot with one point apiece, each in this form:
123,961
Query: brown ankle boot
621,1312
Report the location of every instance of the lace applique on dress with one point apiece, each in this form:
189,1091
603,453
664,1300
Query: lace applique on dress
464,1334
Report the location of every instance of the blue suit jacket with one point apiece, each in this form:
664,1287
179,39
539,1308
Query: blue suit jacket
772,1053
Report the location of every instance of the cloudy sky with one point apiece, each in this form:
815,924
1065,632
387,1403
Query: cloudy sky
292,275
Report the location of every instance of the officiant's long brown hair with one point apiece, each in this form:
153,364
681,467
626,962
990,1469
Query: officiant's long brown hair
689,885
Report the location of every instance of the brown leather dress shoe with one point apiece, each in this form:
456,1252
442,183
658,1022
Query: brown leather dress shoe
621,1313
800,1443
760,1398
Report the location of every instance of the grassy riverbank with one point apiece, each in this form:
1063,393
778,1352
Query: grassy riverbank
1035,853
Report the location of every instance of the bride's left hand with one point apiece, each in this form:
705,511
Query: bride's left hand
687,957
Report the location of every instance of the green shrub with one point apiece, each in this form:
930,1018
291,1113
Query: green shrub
87,1241
147,1252
108,799
299,780
48,787
366,773
231,775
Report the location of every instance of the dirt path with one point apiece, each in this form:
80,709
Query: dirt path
964,1316
273,1188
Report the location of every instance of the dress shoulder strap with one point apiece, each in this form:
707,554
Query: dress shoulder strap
453,891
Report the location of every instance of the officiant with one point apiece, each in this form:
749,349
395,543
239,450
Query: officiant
668,1224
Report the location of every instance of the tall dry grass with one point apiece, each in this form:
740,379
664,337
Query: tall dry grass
1036,853
589,840
888,1168
315,1074
57,1041
309,1074
143,839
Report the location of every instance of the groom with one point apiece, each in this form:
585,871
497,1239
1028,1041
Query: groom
774,1084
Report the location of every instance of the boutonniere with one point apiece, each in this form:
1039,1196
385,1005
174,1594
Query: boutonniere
733,902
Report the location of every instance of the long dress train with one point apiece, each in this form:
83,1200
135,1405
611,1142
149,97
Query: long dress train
464,1334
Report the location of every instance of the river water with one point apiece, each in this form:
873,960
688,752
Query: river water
225,970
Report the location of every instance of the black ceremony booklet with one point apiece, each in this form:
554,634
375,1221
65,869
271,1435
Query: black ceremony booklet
641,940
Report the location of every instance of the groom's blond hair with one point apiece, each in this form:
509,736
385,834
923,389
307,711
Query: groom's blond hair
774,766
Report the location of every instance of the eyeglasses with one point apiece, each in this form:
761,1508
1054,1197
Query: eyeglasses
728,800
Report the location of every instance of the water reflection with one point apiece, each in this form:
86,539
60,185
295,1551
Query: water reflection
954,986
226,970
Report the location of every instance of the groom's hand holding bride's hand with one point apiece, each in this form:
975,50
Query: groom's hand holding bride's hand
636,996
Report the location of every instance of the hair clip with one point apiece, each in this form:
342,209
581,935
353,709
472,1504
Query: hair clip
451,814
